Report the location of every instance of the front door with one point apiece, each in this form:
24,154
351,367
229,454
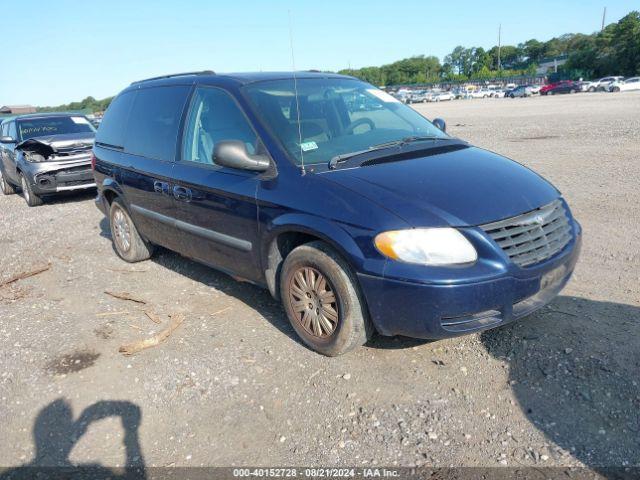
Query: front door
9,154
216,205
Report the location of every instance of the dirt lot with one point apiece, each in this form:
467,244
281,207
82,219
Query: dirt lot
232,386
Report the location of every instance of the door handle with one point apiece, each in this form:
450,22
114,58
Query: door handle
161,187
182,193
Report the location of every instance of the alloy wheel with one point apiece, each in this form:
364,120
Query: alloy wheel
313,302
122,230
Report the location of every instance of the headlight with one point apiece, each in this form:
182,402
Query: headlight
427,246
33,157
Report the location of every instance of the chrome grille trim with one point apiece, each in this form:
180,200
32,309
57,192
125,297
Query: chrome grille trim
534,236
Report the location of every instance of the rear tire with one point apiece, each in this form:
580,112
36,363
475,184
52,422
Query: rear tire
127,242
31,198
5,186
321,297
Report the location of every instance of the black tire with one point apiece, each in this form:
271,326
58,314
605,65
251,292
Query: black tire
352,326
127,242
31,198
592,89
5,186
615,89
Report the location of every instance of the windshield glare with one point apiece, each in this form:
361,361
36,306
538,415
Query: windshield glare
337,116
44,127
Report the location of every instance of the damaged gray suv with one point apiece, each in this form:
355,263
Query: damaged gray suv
45,154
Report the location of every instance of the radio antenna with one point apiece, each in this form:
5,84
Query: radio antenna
295,90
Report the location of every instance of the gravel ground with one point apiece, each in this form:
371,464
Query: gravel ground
232,385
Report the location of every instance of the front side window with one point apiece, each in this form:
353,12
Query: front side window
152,129
330,117
213,117
43,127
11,130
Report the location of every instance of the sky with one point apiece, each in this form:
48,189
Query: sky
64,50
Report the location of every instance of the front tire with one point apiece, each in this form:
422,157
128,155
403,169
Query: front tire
127,242
321,297
31,198
6,187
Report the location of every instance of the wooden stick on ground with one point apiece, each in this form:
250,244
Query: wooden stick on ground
127,270
153,316
109,314
125,296
23,275
157,339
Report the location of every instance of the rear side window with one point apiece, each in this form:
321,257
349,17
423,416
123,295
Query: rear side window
114,123
152,130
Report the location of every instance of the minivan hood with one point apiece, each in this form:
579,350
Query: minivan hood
466,187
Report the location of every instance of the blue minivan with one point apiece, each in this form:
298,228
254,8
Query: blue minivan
355,211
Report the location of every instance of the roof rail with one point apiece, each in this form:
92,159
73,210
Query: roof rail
202,72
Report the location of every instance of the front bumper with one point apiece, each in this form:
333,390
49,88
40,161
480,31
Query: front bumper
446,309
54,177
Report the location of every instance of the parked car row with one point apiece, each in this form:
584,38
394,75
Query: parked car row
626,85
605,84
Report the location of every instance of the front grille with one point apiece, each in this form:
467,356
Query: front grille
534,236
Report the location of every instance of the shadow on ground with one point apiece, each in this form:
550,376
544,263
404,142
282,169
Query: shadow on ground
55,433
575,370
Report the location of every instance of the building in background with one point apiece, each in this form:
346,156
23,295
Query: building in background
550,65
17,109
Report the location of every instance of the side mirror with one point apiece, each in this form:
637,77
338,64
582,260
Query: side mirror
233,154
440,123
6,139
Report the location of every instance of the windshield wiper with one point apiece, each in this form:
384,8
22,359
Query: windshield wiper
381,146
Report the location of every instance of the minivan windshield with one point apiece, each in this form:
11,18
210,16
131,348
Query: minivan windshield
334,116
45,126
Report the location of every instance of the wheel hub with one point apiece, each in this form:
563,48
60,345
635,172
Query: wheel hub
313,302
122,230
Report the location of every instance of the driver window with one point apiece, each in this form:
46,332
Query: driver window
214,116
12,132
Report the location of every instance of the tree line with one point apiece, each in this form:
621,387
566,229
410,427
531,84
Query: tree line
613,51
88,104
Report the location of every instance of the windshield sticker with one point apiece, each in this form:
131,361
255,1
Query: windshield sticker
306,146
80,120
384,96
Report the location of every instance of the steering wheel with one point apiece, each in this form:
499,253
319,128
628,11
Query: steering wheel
361,121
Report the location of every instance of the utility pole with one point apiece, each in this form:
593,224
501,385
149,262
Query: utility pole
604,16
499,45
